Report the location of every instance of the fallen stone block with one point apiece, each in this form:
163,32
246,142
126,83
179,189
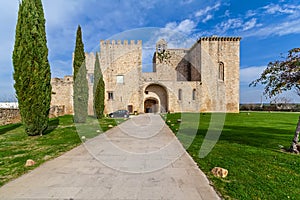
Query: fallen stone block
219,172
29,163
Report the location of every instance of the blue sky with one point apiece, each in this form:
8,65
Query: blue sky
268,28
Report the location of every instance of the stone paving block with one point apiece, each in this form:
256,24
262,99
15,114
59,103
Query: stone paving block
92,193
207,193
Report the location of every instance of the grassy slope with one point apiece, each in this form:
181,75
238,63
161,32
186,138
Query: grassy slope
16,147
249,148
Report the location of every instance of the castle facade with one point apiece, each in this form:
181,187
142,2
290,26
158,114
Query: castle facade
203,78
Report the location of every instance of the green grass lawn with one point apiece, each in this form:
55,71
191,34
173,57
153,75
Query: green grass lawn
249,147
62,135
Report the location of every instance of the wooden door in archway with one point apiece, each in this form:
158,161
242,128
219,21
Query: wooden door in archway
151,106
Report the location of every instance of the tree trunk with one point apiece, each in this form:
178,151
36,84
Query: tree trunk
293,147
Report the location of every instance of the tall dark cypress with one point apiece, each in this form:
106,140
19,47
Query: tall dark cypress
31,67
80,88
99,90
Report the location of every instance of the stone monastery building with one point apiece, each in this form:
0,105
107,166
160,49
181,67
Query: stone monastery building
204,78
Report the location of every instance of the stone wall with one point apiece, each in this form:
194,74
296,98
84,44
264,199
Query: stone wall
9,116
175,74
12,115
62,96
220,94
56,111
90,59
121,65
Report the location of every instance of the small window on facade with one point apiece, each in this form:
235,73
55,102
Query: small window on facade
221,71
110,95
194,94
120,79
179,94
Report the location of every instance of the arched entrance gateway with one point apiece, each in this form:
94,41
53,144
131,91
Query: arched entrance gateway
151,106
155,99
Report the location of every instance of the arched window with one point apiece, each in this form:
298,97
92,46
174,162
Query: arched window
159,49
180,94
221,71
194,94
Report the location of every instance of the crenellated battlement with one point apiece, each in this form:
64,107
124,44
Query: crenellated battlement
217,38
87,54
120,55
61,81
120,43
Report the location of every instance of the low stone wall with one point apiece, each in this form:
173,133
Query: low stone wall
9,116
56,111
12,115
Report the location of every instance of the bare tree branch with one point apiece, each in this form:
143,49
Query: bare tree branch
281,75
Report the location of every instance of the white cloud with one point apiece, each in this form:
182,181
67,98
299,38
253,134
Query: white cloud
177,35
227,13
250,13
207,18
184,27
249,74
208,9
250,24
257,22
237,25
206,14
186,1
275,9
279,29
230,24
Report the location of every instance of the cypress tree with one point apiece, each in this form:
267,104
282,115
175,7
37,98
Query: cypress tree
31,67
99,90
80,89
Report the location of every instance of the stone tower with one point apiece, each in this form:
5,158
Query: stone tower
220,67
161,46
121,65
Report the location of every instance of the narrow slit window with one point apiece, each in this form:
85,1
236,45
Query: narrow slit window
221,71
194,94
180,94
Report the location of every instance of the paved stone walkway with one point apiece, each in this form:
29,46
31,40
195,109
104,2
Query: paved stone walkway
140,159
